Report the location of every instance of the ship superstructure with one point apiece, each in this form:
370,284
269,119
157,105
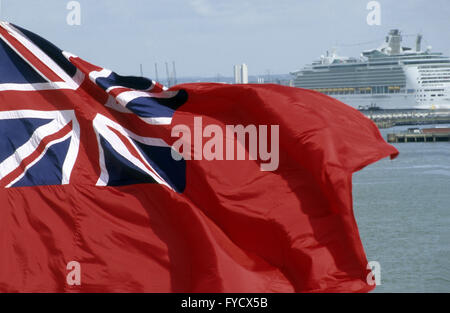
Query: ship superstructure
389,77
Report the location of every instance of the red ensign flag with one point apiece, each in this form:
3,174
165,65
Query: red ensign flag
117,184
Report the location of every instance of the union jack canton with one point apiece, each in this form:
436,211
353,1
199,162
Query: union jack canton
42,132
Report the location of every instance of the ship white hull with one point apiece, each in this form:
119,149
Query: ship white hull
386,102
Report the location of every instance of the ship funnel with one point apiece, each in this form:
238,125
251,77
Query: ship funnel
394,39
418,42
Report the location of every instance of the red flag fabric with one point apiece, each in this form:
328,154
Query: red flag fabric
93,169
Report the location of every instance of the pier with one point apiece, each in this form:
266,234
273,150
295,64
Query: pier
391,118
420,135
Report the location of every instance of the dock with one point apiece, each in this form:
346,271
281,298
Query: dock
420,135
391,118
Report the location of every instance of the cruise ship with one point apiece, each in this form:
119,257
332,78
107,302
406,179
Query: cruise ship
389,77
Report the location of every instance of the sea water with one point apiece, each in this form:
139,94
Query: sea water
402,208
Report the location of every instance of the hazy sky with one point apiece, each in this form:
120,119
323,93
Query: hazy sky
206,37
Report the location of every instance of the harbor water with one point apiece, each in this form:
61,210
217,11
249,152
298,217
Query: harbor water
402,207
